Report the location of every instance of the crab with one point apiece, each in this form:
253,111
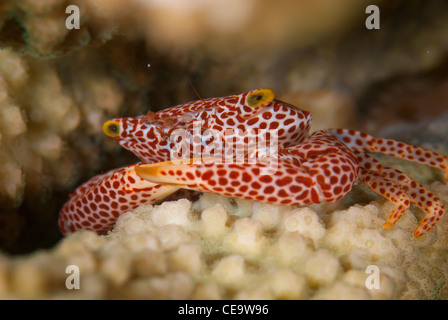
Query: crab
269,156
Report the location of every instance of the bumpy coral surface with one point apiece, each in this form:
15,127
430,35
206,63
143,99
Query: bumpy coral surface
41,149
220,248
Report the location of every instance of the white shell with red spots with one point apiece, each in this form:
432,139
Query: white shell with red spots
302,169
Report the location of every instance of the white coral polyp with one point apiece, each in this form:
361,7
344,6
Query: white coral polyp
172,212
245,238
306,222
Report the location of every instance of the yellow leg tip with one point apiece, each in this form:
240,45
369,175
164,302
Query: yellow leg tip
417,233
388,224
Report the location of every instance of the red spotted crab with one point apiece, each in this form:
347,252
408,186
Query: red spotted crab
269,157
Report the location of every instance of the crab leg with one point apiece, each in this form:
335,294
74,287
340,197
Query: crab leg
360,141
420,196
98,203
387,189
400,189
320,169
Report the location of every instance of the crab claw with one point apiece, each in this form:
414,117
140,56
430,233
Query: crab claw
179,173
97,204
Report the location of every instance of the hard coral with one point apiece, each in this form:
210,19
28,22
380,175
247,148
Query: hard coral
38,116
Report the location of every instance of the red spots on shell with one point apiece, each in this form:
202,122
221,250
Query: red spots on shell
255,185
115,213
280,116
302,196
265,179
282,193
247,109
334,180
221,172
234,183
281,132
246,177
314,196
207,175
284,181
150,135
234,174
295,189
267,115
269,190
104,213
292,129
253,121
306,181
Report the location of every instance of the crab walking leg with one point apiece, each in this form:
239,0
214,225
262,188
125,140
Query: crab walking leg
370,174
387,189
360,141
420,196
97,204
319,172
391,183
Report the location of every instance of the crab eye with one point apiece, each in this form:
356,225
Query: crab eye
111,128
260,97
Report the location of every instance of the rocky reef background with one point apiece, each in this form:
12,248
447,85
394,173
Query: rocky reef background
58,86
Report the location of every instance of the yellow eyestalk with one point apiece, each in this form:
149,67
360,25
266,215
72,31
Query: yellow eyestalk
260,97
112,128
